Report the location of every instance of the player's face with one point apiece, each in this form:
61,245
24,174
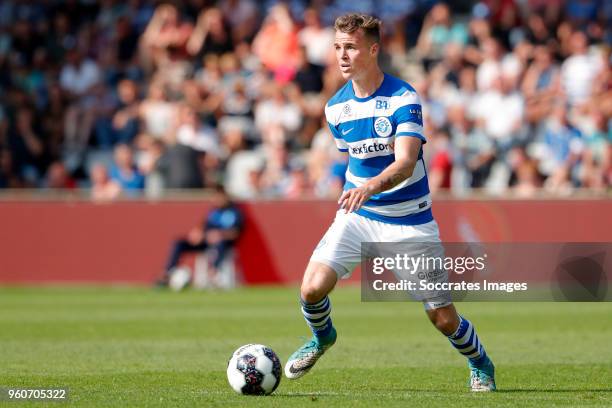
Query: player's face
355,53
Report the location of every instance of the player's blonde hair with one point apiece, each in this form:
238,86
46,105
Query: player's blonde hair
349,23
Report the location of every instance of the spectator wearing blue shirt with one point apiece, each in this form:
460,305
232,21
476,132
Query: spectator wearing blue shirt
217,235
558,148
124,172
562,140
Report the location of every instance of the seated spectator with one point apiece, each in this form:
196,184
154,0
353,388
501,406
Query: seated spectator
8,178
124,171
275,176
237,103
580,70
479,33
536,30
441,164
597,139
242,16
277,110
165,37
58,177
156,112
102,187
244,174
211,35
298,184
179,167
277,44
193,133
500,110
490,68
474,152
540,84
438,31
78,79
558,149
528,179
308,77
26,145
122,127
216,236
316,39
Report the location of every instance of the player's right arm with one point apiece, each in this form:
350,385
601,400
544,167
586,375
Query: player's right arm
406,156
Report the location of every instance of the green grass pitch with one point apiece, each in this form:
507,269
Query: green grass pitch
132,347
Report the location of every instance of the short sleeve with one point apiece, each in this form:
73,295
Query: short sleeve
340,142
409,117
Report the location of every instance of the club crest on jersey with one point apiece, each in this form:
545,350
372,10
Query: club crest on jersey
346,109
382,126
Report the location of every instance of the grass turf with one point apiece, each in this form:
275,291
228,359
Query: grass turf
129,347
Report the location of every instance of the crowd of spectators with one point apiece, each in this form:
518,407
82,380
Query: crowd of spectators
136,97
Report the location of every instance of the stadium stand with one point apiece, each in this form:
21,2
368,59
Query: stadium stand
134,98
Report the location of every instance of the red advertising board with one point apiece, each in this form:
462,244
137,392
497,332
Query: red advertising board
127,242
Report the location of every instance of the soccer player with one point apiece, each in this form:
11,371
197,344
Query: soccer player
376,118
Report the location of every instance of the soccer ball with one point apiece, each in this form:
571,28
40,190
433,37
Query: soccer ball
179,278
254,369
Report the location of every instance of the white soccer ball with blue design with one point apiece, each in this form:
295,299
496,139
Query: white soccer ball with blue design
254,369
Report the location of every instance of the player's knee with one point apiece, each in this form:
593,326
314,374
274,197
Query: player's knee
311,293
318,281
445,323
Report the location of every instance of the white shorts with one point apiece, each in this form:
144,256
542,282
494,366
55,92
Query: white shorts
340,247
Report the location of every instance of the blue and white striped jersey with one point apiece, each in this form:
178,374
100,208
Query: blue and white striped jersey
366,128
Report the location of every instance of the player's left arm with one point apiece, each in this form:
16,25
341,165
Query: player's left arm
406,157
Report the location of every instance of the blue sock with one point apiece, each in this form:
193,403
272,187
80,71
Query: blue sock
317,317
466,341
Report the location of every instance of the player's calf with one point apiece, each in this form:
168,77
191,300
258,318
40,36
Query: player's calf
462,335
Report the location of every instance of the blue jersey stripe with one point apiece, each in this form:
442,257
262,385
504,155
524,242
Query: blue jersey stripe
411,192
370,167
413,134
360,129
422,217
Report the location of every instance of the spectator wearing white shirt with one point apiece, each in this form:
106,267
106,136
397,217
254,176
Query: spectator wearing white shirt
501,111
156,112
317,40
277,110
191,132
579,71
491,66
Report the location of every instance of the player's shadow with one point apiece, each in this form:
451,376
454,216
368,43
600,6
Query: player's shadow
316,395
313,395
543,390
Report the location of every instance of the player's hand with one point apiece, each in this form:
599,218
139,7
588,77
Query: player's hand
195,236
352,200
